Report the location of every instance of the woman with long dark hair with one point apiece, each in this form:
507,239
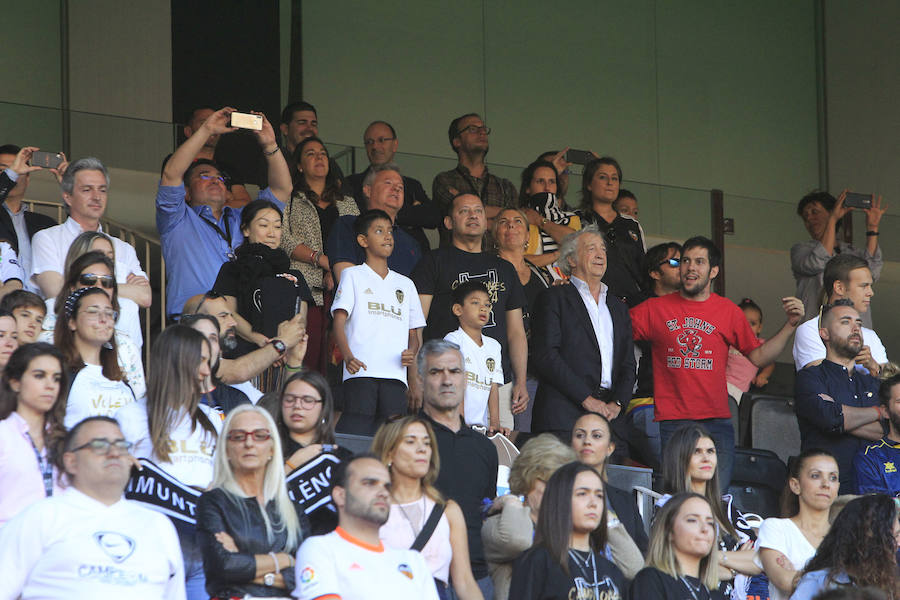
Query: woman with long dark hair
859,550
408,448
786,544
177,432
96,269
624,240
32,409
259,286
85,334
314,207
690,464
538,197
593,444
567,559
303,410
682,561
250,529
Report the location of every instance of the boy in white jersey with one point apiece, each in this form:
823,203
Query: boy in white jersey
481,356
376,313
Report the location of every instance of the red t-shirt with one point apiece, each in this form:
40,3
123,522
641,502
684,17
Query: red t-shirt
690,343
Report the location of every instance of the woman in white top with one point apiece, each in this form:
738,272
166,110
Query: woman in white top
84,334
32,406
96,269
786,545
129,321
409,449
175,431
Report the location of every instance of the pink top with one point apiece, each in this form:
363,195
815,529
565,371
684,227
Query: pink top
404,524
21,482
739,371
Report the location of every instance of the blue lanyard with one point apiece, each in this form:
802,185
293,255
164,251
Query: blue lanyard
45,467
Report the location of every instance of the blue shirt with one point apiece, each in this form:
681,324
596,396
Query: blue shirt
194,243
877,468
821,392
342,247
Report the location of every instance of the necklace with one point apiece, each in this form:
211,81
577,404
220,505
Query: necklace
583,565
408,520
693,590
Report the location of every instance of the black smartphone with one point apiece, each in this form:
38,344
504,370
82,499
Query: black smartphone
48,160
579,157
854,200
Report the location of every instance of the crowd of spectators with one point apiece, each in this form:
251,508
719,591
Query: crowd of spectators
320,310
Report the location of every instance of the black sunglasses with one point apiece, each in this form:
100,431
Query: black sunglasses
91,279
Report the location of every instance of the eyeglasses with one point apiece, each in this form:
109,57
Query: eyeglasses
475,129
94,314
258,435
206,177
305,401
672,262
381,140
103,446
91,279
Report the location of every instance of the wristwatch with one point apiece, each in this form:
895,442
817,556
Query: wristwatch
269,579
278,345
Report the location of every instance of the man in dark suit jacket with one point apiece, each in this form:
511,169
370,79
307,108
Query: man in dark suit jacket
418,212
583,347
14,173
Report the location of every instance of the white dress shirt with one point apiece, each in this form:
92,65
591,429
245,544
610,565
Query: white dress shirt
602,323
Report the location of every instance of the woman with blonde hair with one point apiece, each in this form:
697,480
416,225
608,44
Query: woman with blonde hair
249,528
683,559
420,518
511,236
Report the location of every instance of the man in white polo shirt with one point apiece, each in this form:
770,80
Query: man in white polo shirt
89,542
845,277
84,187
351,563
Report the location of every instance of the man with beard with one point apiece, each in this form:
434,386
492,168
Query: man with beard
690,333
876,465
351,562
289,341
469,461
836,405
217,394
469,139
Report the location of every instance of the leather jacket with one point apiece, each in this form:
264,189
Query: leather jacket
231,574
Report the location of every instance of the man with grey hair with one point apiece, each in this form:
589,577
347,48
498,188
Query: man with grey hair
583,349
418,212
469,461
85,185
383,188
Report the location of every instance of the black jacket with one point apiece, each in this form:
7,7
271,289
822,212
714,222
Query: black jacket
567,357
418,211
231,573
622,501
34,222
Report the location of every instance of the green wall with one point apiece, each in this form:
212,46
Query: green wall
689,94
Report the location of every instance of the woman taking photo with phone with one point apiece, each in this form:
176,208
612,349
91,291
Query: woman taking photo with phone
682,561
568,559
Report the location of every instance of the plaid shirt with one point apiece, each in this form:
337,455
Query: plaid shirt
493,191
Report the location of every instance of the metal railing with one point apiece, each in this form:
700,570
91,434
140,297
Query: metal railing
149,253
